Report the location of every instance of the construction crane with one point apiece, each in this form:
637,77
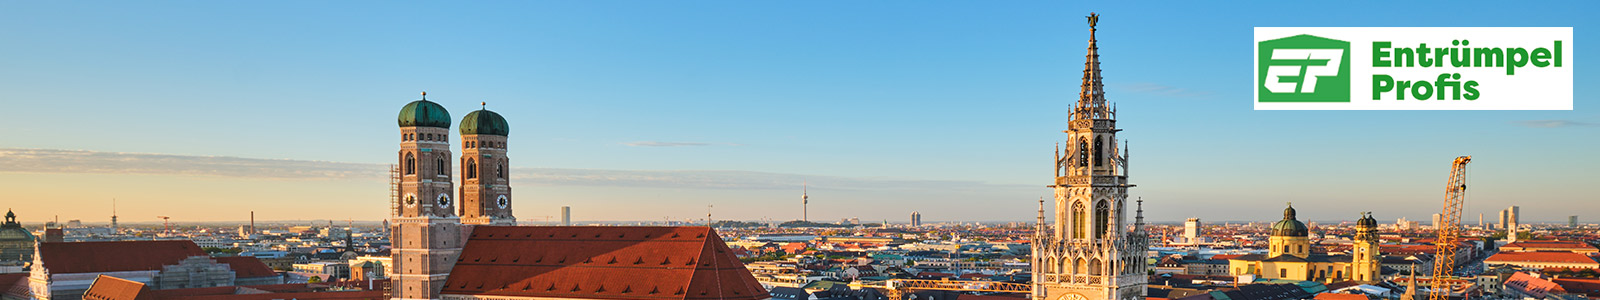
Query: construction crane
165,226
897,288
1449,227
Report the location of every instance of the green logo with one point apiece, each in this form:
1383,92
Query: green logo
1303,68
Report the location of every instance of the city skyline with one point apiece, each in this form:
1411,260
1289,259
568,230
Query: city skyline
187,120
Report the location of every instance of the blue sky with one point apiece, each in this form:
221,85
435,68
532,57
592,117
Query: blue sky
949,108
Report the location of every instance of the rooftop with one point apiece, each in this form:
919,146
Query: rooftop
96,257
1541,257
600,263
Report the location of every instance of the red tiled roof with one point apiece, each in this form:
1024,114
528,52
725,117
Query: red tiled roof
1226,256
112,288
1338,296
600,263
1541,257
1548,245
1005,296
96,257
247,266
1586,286
15,285
1532,285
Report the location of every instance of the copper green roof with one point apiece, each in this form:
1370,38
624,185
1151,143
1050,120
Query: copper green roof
1367,221
1289,226
424,113
484,121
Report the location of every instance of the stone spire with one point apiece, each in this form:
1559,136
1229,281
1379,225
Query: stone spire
1411,285
1039,227
1092,98
1138,219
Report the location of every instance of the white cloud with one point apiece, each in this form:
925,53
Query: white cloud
94,162
1551,123
666,144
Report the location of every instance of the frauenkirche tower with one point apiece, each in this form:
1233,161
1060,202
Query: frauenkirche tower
1093,252
426,234
485,187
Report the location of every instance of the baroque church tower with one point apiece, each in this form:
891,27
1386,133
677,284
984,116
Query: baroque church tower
1093,252
485,183
1365,256
426,234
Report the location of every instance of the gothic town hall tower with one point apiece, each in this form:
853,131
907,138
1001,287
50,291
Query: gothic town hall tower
1093,253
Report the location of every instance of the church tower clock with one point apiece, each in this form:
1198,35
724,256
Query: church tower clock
426,233
1093,252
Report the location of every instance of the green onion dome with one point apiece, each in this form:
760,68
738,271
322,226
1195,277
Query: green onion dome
1289,226
424,113
484,121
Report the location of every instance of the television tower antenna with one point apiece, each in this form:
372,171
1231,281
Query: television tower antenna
805,202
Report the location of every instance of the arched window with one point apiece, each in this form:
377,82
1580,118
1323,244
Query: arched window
1102,217
500,170
411,164
1094,267
1083,152
443,168
1081,267
472,168
1079,218
1099,150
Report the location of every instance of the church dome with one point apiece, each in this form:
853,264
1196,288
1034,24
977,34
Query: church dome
484,121
1367,221
424,113
13,231
1289,226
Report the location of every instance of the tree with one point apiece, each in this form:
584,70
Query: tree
315,279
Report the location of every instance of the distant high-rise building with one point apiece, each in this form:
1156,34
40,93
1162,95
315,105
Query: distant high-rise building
1572,221
1191,230
1403,224
916,219
1500,220
1438,220
1509,221
566,216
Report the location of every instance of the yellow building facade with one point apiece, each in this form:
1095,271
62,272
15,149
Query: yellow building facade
1289,255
